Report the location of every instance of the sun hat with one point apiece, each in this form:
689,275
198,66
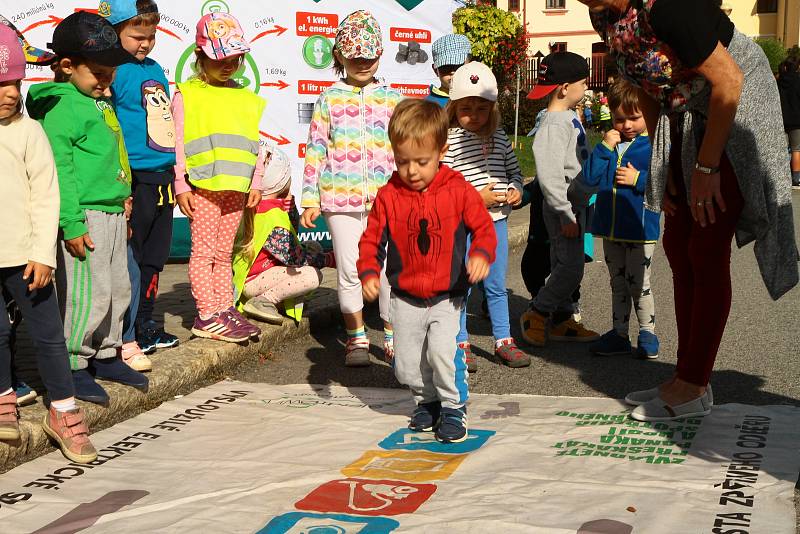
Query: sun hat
116,11
558,68
220,36
450,49
12,60
474,79
278,172
89,36
359,35
33,55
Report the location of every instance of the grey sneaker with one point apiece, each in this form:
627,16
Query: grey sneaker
640,397
261,308
658,410
356,355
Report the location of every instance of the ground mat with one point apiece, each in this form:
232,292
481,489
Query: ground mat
240,457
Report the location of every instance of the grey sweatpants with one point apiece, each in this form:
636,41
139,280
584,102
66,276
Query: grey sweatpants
94,293
426,356
566,264
629,271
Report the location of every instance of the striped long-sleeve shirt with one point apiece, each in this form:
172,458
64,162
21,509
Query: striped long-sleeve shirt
485,160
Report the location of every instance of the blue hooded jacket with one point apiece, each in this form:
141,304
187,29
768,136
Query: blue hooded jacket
619,212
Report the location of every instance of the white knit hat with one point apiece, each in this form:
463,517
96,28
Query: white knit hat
474,79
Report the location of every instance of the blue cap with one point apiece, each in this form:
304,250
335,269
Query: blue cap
116,11
450,49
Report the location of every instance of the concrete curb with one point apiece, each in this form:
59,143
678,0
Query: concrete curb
190,366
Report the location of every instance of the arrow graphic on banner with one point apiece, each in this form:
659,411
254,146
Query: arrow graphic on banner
277,29
159,28
280,84
280,140
52,19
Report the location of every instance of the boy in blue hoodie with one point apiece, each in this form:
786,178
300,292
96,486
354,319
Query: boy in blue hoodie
619,167
140,94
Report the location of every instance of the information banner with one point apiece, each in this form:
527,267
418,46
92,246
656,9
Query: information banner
289,64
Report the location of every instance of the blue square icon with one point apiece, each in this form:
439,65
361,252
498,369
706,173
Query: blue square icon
405,439
305,523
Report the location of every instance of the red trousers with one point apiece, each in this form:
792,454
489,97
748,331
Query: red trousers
700,259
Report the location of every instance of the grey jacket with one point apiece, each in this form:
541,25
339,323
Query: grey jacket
757,150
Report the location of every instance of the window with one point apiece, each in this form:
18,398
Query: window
767,6
560,4
558,47
513,5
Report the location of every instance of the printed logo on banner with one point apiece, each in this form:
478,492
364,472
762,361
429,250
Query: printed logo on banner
318,52
409,4
408,466
406,439
305,523
214,6
367,497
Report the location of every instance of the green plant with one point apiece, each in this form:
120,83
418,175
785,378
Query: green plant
774,51
528,109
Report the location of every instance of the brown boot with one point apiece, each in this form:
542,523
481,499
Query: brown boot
9,417
71,434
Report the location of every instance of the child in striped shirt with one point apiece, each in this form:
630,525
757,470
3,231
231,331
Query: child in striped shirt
480,150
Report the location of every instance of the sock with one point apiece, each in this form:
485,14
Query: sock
7,392
64,405
463,345
358,336
388,336
501,342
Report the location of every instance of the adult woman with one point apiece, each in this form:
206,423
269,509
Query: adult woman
789,88
718,169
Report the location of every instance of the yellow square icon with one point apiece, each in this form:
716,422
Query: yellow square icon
409,466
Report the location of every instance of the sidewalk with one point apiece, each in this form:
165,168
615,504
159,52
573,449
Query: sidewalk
185,368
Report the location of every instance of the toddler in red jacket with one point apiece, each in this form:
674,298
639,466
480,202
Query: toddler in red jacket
419,225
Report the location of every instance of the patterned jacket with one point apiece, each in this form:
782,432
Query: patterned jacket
348,155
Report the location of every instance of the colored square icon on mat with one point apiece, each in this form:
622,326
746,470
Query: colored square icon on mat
405,439
304,523
408,466
367,497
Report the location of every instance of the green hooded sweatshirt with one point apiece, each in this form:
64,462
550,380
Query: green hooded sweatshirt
87,142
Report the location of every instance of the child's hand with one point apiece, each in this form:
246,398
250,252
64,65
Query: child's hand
491,198
42,275
513,197
477,269
309,216
128,208
371,288
186,204
77,246
612,138
570,230
253,198
626,175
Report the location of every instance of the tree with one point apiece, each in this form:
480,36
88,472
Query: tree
774,51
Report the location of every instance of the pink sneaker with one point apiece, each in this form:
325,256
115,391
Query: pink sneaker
239,319
221,327
132,355
71,433
9,417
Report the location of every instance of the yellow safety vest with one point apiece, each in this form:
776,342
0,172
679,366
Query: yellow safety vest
220,135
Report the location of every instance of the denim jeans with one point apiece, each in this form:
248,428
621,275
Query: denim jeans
494,287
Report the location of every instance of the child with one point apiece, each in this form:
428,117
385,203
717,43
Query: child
216,166
94,181
605,113
480,150
449,52
619,167
140,94
270,265
560,149
424,217
348,158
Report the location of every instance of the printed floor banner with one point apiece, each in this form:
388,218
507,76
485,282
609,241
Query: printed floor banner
239,457
289,64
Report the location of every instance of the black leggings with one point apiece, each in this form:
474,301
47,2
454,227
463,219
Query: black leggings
40,310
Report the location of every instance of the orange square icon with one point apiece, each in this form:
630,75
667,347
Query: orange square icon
408,466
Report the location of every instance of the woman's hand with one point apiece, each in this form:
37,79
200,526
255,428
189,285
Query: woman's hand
309,216
705,191
186,204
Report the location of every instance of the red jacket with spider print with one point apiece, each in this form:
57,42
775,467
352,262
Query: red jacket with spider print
422,236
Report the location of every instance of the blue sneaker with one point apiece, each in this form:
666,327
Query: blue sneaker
115,370
25,394
647,345
452,427
611,344
151,337
87,389
425,416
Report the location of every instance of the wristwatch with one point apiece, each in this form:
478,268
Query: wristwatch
706,170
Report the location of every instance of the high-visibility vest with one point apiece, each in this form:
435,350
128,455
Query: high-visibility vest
220,135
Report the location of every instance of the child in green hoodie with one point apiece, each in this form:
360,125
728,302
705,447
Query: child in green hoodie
94,181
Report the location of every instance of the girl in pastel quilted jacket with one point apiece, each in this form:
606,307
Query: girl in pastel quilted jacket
348,158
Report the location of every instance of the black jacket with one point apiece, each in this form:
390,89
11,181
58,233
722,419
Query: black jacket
789,88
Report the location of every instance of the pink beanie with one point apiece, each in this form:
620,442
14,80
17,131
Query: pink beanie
12,60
